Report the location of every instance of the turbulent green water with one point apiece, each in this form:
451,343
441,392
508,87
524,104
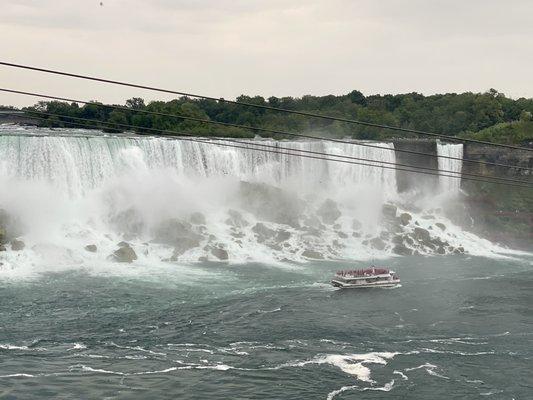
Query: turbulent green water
459,327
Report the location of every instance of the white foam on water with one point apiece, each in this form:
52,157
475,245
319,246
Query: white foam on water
351,364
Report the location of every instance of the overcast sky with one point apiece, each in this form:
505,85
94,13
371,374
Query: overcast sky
224,48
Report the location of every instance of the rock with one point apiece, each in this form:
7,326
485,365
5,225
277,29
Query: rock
377,243
461,249
179,234
421,234
236,219
3,235
237,235
337,227
389,210
262,232
219,253
356,225
329,212
124,254
401,250
441,225
313,222
17,245
197,218
202,258
129,222
2,247
356,234
282,235
91,248
441,250
312,254
405,218
342,235
271,204
416,223
275,246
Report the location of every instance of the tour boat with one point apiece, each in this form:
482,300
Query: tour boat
365,278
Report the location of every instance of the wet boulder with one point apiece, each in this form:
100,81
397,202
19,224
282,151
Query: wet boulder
236,219
440,225
421,234
377,243
2,248
405,218
402,250
197,218
389,210
270,203
179,234
329,212
263,232
129,222
313,254
91,248
220,253
124,254
17,245
282,235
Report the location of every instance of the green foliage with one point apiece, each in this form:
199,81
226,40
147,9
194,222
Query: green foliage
489,115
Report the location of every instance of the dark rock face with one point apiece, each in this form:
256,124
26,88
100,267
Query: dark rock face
402,250
17,245
405,218
2,248
377,243
329,212
421,234
312,254
179,234
236,219
197,218
389,210
219,253
440,225
262,232
124,254
128,222
271,204
91,248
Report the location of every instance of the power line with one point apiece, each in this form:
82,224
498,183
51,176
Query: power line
303,113
281,150
273,131
438,171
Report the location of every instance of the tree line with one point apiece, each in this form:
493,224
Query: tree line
490,115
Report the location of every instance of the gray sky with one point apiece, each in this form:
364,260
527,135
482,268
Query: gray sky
224,48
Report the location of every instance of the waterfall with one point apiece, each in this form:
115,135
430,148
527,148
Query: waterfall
185,201
448,184
75,165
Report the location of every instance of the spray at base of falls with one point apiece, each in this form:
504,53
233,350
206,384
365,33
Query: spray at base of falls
178,201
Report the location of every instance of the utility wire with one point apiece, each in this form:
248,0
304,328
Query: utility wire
254,146
303,113
340,156
273,131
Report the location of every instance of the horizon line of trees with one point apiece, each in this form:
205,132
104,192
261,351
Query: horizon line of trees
466,114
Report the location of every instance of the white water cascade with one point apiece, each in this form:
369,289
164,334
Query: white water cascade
448,184
182,201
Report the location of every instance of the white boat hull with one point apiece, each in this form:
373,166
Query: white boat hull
346,285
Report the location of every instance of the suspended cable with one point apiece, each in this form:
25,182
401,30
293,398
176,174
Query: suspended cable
283,110
254,146
272,131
